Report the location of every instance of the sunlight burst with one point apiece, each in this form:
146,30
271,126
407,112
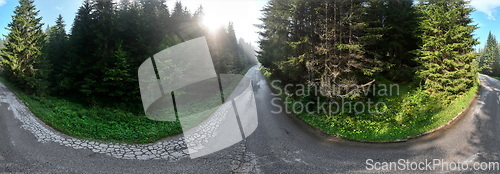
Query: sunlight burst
213,22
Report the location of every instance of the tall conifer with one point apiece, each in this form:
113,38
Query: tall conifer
446,54
22,56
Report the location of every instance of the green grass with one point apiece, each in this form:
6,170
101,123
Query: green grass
411,113
95,122
114,123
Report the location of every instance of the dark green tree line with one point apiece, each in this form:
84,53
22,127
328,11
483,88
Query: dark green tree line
339,43
343,44
57,40
341,64
489,60
99,58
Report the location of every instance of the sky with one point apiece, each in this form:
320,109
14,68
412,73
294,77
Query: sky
243,13
487,17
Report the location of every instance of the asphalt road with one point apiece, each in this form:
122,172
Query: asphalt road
278,145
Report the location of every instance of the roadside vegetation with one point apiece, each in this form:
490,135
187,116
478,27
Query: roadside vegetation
340,48
95,122
405,116
85,83
409,113
113,122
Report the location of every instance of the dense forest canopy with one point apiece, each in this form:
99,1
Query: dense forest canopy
98,59
340,46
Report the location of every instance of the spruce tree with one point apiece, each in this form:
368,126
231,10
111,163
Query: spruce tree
489,59
81,47
326,39
447,51
56,50
131,30
22,56
392,37
232,49
181,22
302,41
103,35
118,79
155,19
274,36
342,66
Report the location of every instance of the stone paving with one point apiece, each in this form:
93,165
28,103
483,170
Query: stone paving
167,149
244,161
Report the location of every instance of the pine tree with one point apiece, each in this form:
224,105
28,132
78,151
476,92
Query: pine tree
392,37
199,14
105,30
401,36
103,35
81,47
22,56
118,80
55,50
181,22
342,66
232,50
155,19
447,51
274,36
326,39
132,31
302,41
489,59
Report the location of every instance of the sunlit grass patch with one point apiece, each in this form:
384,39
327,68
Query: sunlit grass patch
409,112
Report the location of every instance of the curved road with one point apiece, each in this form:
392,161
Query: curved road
278,145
